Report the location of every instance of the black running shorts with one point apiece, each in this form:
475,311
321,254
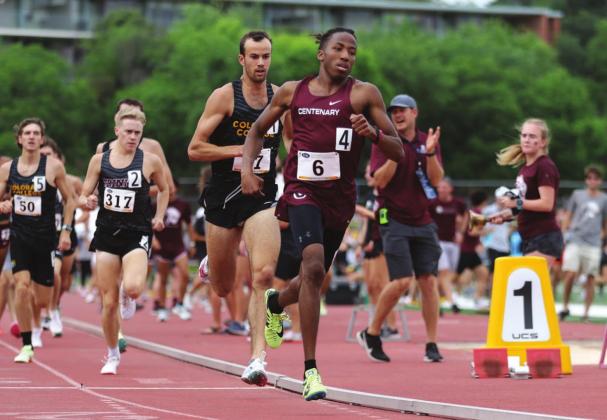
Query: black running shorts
289,259
121,242
227,207
36,258
306,225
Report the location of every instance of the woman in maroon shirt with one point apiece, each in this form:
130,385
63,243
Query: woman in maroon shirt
537,183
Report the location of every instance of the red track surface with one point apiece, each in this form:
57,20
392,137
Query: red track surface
342,364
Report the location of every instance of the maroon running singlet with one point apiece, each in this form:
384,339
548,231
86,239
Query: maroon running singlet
322,163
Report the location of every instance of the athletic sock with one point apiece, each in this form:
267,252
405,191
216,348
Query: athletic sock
273,304
27,338
113,352
309,364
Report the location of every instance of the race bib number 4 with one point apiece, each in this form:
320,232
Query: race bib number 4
261,164
122,201
318,166
27,206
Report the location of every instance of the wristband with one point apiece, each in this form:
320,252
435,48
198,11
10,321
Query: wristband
431,154
378,135
67,228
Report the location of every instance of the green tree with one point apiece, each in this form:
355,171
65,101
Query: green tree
37,82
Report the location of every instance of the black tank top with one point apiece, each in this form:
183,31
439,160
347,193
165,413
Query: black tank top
33,216
233,130
124,201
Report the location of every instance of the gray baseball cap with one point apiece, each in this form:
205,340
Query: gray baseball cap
402,101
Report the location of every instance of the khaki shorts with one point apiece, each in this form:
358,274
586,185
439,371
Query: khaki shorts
582,259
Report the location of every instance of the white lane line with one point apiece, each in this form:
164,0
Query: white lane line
77,385
141,388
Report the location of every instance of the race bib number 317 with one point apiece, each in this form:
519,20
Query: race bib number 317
318,166
119,200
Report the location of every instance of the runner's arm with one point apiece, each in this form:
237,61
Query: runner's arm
5,206
389,142
87,199
154,147
216,108
162,199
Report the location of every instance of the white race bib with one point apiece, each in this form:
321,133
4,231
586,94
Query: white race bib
27,206
261,164
318,166
122,201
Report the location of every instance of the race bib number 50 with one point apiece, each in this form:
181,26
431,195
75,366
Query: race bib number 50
318,166
261,164
27,206
122,201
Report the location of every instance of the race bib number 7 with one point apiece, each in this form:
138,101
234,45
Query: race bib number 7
261,164
119,200
27,206
318,166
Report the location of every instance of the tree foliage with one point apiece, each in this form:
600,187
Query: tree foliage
476,82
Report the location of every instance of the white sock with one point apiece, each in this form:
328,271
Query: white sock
113,352
37,331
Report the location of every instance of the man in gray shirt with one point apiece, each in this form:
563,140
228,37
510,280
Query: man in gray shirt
585,226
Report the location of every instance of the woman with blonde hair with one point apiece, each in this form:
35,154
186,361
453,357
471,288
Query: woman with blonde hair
537,184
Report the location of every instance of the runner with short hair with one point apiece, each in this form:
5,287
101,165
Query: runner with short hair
329,113
227,117
64,259
33,180
124,224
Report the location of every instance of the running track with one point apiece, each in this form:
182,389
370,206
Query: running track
65,378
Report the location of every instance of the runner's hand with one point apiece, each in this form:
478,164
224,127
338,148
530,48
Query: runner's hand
90,202
251,184
64,240
6,206
361,126
157,224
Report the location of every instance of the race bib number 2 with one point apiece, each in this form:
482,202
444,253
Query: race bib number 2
261,164
318,166
27,206
119,200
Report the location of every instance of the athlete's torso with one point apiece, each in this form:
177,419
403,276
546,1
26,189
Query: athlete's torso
33,215
233,130
124,196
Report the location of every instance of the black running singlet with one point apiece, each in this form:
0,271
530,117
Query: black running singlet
124,201
33,215
233,130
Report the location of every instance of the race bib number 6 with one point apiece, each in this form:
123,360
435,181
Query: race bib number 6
27,206
122,201
261,164
318,166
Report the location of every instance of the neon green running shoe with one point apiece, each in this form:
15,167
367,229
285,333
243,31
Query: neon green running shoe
313,388
25,355
273,329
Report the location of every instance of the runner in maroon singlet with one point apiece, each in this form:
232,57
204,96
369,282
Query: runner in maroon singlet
329,113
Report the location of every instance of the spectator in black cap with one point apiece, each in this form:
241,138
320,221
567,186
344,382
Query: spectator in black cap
409,235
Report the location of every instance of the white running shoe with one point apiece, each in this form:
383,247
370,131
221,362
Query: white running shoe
36,337
56,326
255,372
111,365
128,305
203,270
187,302
162,315
291,336
182,313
